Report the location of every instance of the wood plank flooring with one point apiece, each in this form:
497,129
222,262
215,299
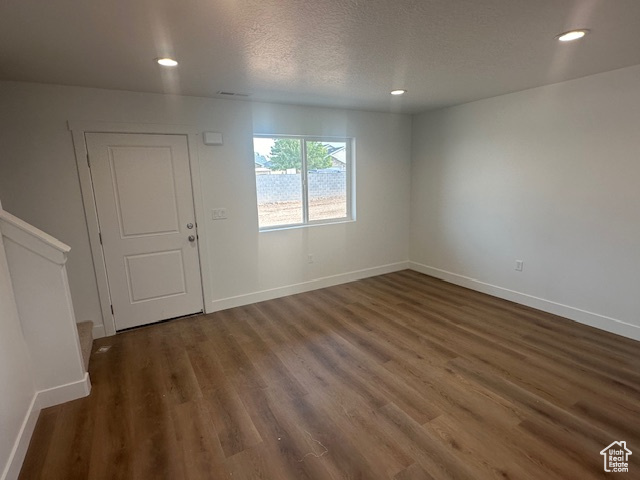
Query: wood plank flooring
400,376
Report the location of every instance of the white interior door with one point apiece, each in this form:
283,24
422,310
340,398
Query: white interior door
144,200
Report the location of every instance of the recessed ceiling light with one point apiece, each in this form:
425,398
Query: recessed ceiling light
167,62
572,35
398,92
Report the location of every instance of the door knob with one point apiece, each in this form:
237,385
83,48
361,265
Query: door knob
192,238
189,226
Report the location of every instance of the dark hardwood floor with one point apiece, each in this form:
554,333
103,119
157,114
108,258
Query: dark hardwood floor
400,376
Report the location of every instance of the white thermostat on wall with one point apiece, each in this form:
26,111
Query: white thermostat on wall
212,138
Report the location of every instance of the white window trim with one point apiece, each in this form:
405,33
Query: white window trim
350,182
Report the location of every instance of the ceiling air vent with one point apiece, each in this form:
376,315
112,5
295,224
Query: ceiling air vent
232,94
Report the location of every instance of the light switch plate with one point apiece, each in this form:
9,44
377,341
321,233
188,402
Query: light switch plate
218,213
212,138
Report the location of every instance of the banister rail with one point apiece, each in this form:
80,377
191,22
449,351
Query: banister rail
32,238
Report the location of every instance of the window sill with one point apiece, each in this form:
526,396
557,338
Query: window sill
305,225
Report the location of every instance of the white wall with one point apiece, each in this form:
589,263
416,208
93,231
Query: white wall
39,183
17,389
550,176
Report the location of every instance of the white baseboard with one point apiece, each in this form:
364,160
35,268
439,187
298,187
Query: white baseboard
64,393
41,399
261,296
581,316
14,463
98,331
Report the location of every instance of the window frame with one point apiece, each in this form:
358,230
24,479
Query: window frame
349,181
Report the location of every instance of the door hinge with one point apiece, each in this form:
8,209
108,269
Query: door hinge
111,309
100,237
88,162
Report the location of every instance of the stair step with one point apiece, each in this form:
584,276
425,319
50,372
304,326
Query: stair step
85,332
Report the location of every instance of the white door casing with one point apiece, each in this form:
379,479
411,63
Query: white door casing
144,202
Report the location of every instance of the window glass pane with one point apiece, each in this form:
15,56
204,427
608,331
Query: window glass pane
278,165
327,179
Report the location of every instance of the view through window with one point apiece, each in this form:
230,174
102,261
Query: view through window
302,180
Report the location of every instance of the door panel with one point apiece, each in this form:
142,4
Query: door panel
144,200
155,275
154,212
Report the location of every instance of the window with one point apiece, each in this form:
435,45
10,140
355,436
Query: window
302,180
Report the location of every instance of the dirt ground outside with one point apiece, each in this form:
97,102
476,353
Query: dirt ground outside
288,213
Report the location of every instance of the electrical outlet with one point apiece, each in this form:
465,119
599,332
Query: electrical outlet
310,258
218,214
519,265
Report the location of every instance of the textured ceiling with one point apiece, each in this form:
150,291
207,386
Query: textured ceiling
348,53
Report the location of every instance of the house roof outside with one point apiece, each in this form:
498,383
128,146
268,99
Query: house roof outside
337,153
261,160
